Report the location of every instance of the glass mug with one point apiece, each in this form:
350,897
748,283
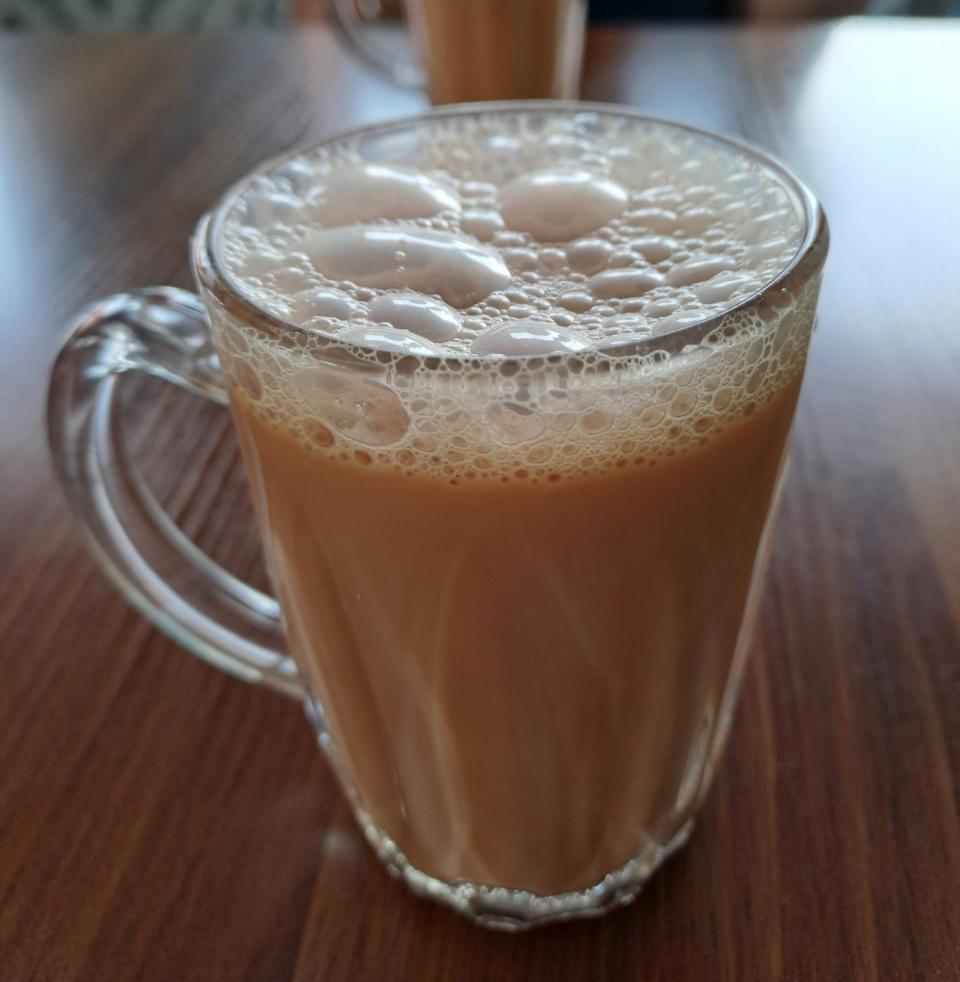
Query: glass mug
522,666
477,50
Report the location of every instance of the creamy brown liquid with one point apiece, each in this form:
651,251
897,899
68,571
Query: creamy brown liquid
477,50
516,675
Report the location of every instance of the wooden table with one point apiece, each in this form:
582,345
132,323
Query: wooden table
159,820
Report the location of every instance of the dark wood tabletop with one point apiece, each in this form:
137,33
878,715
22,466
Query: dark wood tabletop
161,821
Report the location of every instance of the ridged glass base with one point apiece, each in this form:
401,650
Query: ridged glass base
496,907
517,910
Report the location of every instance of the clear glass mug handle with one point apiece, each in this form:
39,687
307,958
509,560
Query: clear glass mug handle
352,19
160,331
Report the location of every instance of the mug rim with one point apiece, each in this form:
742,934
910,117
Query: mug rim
806,262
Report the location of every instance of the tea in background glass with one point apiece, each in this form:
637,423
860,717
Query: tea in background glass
477,50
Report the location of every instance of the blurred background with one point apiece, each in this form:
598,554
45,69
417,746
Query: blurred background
180,15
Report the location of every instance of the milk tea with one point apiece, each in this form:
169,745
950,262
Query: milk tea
512,460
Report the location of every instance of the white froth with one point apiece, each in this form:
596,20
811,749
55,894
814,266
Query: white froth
545,225
558,234
360,409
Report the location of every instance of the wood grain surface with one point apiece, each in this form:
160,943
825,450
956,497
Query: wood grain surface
161,821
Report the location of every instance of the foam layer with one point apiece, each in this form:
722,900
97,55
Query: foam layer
520,218
511,234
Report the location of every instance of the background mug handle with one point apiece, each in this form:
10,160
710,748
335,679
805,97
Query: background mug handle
160,331
352,19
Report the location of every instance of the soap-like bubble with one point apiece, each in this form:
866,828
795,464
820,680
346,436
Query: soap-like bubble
390,339
559,205
423,316
529,337
452,267
588,255
625,282
372,191
698,269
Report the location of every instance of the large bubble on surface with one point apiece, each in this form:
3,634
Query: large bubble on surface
560,205
459,270
698,269
369,191
389,339
624,282
423,316
529,337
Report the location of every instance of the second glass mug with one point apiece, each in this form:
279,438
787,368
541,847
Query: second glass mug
523,686
476,50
